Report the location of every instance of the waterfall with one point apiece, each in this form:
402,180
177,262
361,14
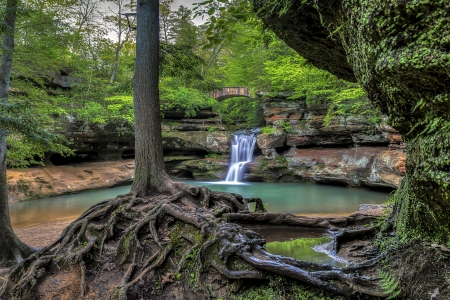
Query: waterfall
242,147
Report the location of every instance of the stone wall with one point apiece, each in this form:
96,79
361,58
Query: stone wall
350,151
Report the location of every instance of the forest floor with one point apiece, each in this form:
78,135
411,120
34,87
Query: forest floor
421,269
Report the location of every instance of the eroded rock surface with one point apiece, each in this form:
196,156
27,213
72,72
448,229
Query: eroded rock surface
361,166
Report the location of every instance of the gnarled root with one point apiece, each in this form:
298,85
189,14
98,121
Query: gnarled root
132,247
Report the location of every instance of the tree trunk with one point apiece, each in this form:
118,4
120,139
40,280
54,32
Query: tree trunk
150,175
12,250
119,45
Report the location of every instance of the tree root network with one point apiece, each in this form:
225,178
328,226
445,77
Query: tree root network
160,246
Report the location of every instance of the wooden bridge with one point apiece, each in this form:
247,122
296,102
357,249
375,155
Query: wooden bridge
229,92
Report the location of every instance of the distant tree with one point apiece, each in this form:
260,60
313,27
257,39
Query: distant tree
119,26
165,15
183,28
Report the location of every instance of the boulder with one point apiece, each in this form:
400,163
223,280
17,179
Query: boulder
399,52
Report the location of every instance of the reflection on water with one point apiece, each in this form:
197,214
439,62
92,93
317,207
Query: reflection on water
296,198
302,198
35,212
298,243
301,249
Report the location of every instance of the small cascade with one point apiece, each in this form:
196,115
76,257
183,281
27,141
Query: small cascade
242,147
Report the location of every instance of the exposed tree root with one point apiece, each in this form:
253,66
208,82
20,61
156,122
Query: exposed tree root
180,236
287,219
349,235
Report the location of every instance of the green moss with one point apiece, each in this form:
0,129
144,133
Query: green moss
270,130
399,52
263,164
282,161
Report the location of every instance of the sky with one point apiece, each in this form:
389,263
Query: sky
176,3
187,3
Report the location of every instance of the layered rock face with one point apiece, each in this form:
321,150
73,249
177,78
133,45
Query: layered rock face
105,152
112,141
350,151
400,52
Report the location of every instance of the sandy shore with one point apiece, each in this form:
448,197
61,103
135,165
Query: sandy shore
42,235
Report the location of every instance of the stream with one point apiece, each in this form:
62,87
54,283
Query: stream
296,198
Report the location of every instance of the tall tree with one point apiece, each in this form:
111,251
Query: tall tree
121,30
150,175
183,28
165,20
11,248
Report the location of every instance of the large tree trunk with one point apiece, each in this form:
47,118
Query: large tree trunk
12,250
150,175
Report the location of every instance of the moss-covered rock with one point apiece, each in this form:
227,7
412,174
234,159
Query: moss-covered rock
400,52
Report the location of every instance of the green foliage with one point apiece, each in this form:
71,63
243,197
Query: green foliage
282,160
245,111
186,99
270,130
214,156
286,126
352,101
279,288
29,137
263,164
389,284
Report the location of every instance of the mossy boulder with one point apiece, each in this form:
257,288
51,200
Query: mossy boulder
399,51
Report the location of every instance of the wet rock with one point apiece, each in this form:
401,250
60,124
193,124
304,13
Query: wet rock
371,206
210,142
361,166
206,169
271,141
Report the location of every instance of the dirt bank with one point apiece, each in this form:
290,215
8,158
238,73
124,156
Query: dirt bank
42,182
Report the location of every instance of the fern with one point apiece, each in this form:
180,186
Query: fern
389,284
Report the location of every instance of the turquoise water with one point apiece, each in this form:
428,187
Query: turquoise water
302,249
299,243
296,198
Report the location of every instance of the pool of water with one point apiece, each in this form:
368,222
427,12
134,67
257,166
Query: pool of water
296,198
298,243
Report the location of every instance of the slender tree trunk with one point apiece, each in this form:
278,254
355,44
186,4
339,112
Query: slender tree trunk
12,250
150,174
119,45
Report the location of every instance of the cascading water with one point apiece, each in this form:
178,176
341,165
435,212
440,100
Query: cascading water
242,147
